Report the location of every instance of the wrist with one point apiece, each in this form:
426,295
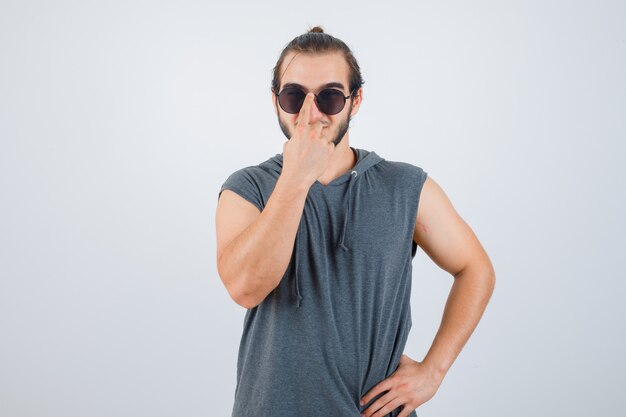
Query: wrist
293,185
436,372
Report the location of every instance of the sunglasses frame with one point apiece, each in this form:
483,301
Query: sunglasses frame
345,98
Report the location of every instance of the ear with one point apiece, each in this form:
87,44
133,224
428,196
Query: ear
356,101
274,102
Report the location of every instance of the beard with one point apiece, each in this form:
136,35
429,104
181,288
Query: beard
344,125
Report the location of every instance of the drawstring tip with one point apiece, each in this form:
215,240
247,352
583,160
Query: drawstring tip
344,247
298,301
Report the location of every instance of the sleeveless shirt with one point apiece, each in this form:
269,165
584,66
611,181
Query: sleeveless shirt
338,321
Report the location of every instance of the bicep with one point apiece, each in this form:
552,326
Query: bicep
441,232
233,215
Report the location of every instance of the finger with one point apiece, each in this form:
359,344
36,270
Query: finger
315,129
384,385
374,410
303,116
389,407
318,125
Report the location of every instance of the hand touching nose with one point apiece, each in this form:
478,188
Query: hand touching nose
307,153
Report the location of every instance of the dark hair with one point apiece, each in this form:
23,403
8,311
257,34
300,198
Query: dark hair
315,41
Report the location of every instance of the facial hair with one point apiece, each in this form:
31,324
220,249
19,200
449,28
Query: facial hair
341,130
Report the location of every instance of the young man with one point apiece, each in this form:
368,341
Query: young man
317,244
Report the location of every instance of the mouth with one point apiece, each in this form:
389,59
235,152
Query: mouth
323,127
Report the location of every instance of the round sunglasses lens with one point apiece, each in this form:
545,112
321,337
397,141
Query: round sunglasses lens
331,101
291,100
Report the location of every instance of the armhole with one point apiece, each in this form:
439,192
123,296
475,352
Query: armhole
242,194
419,185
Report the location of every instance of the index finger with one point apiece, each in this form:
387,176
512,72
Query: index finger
303,116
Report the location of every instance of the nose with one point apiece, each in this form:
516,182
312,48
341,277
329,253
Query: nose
315,114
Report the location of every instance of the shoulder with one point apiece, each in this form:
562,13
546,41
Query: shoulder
404,173
252,174
254,183
265,173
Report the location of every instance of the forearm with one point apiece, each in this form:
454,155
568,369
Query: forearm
466,303
256,260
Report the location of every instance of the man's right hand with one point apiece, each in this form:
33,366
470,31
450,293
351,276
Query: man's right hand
307,153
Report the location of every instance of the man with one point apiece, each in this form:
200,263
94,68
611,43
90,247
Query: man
317,244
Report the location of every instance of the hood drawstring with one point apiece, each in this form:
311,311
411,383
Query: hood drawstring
297,294
353,175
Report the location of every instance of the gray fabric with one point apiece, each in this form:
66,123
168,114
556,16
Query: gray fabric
337,323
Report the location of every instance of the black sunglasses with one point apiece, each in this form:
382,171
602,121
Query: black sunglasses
329,101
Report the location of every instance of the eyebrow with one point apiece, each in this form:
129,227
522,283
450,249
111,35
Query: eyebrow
327,85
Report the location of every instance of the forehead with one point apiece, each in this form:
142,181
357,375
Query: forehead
314,70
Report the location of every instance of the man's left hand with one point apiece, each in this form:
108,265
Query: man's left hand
410,385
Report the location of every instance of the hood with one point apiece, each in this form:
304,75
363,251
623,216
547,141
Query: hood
365,160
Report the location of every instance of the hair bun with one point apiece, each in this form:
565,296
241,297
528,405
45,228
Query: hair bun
316,29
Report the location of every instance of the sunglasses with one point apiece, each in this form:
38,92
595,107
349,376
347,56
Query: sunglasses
329,101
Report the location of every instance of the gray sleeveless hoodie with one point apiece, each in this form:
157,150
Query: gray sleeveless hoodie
337,323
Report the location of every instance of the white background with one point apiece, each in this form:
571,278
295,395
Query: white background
119,121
